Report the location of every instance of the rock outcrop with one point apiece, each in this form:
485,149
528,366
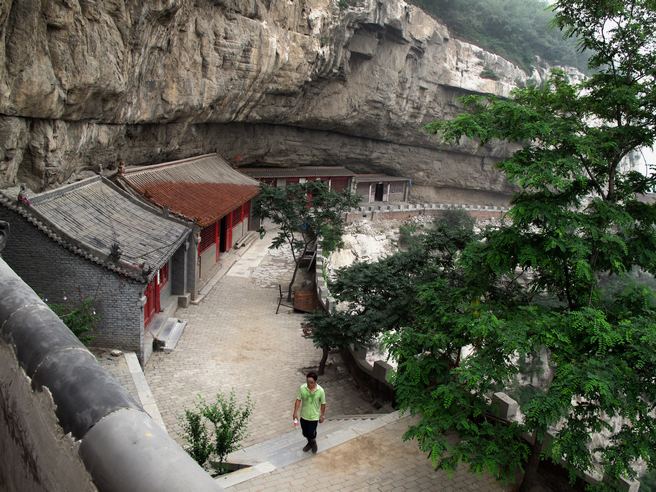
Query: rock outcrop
85,83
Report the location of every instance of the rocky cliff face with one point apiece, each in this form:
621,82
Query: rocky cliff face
88,83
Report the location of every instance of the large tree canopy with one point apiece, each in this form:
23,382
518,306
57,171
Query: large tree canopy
536,288
576,220
304,213
382,296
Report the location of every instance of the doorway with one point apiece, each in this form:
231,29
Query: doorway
378,197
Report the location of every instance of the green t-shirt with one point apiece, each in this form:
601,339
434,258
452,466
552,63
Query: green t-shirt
311,402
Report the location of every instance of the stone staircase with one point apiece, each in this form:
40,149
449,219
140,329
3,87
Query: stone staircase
170,334
287,449
247,239
165,329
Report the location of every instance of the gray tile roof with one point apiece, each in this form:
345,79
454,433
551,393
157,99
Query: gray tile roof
297,172
370,178
89,216
209,168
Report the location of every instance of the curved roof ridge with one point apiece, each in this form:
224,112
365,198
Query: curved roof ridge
72,219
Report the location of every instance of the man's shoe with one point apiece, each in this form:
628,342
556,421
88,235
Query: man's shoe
307,447
314,447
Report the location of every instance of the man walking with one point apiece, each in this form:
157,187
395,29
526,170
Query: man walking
313,410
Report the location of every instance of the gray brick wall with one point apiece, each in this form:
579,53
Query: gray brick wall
178,272
54,272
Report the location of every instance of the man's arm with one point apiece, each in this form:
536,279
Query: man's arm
323,412
296,405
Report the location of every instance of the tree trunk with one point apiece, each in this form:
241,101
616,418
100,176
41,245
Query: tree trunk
322,364
291,284
532,466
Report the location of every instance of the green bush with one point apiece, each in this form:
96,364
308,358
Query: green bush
408,238
648,482
457,218
227,422
80,319
489,73
199,445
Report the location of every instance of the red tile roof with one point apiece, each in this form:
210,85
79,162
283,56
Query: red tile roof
205,202
204,188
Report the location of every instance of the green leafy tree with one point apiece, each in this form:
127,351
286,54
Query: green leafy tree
230,421
199,444
535,283
648,483
304,214
382,296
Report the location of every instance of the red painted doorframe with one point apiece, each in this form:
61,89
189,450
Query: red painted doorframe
151,308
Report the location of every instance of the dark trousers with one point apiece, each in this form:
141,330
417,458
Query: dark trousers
309,428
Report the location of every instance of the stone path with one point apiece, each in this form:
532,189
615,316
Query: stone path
234,340
377,461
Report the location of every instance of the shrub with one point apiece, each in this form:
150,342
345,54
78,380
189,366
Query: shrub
79,319
228,422
489,73
408,237
648,482
457,218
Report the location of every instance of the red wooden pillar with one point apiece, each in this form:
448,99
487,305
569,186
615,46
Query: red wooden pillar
228,238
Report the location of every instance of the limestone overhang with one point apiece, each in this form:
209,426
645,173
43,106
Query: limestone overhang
98,221
204,188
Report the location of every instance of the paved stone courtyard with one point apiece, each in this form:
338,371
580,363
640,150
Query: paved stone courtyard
378,461
234,340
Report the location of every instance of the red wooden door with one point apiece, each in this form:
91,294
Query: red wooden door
151,308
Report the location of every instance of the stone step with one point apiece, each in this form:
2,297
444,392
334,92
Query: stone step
170,334
246,240
364,416
288,448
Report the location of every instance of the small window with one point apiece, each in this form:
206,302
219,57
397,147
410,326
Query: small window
208,237
236,216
